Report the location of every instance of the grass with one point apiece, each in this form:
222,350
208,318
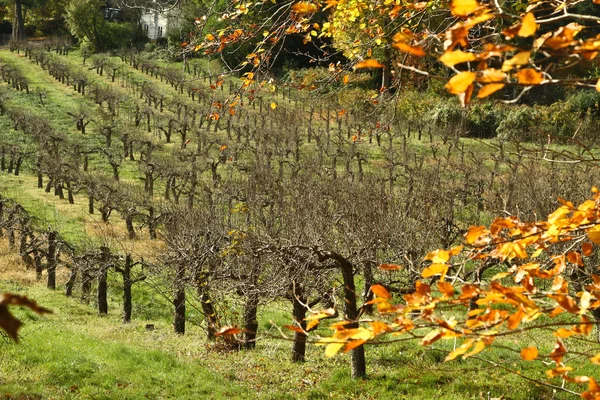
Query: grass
74,354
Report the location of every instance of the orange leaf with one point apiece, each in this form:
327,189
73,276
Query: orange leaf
474,234
446,289
414,50
345,79
529,76
389,267
228,330
489,89
528,25
353,344
460,82
515,319
381,291
370,63
559,351
8,322
587,249
304,8
462,8
529,353
293,328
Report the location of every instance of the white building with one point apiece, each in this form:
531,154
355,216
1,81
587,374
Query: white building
156,22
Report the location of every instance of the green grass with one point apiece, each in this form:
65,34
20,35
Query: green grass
75,354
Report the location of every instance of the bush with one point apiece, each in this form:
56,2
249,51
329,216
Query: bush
483,120
521,123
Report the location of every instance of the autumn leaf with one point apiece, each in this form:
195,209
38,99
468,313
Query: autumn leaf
559,351
460,82
446,288
529,76
529,353
345,79
594,234
437,256
228,331
462,349
517,60
304,8
390,267
451,58
528,25
435,269
333,348
381,291
489,89
294,328
462,8
370,63
587,249
414,50
8,322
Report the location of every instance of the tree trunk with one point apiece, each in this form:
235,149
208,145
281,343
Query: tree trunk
102,281
179,301
357,354
51,259
299,313
250,321
207,307
127,283
71,282
18,31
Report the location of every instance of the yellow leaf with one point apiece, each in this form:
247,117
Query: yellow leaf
435,269
528,25
529,353
491,75
403,36
273,105
333,348
370,63
529,76
478,348
594,234
595,359
489,89
345,79
414,50
462,8
437,256
519,59
460,83
462,349
598,85
451,58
